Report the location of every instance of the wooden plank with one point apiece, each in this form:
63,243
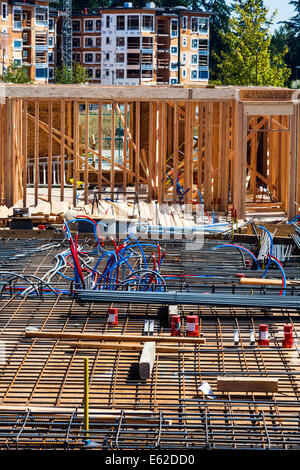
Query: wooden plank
265,282
112,162
292,168
86,152
62,148
247,384
36,153
208,156
137,143
113,337
75,153
99,175
147,360
175,149
50,119
24,151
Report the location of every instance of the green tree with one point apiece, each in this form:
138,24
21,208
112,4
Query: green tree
293,40
248,59
16,74
67,75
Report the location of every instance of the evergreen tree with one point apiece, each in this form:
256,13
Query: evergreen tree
16,74
66,75
248,59
293,40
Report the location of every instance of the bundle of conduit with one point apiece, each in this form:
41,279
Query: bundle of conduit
118,264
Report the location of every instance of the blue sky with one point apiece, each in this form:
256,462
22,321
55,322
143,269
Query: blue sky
284,10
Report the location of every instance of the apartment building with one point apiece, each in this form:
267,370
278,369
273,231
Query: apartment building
86,44
130,46
28,37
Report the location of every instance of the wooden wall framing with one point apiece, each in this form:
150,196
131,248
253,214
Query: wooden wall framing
220,143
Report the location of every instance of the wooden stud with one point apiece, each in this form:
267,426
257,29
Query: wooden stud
62,148
86,152
247,384
50,119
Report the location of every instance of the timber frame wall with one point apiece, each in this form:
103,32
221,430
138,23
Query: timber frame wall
225,141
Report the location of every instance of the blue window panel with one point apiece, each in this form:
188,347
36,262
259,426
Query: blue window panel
203,74
41,73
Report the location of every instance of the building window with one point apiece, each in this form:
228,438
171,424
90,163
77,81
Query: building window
107,56
203,25
90,73
107,41
51,41
120,42
51,73
88,25
194,25
41,73
133,43
88,42
4,11
120,58
133,59
76,42
184,23
194,43
107,21
184,58
98,57
17,44
98,25
120,73
25,55
17,19
51,57
133,22
51,24
174,50
17,62
120,22
41,16
76,25
184,42
107,73
194,58
147,43
98,42
194,75
203,44
174,28
133,73
148,22
203,61
203,74
183,73
25,38
97,74
173,81
88,58
174,66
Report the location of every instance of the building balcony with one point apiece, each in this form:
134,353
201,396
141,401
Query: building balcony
147,66
41,47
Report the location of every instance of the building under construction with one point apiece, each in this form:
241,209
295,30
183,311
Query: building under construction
149,278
